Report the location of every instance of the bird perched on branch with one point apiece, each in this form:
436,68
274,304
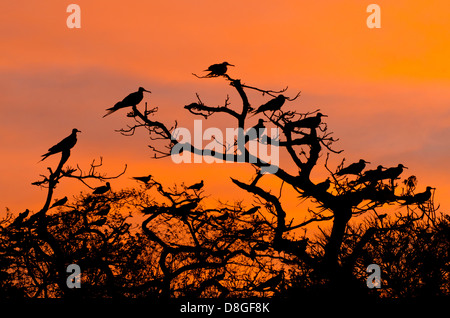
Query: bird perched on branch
354,168
64,145
272,105
196,186
418,198
145,179
131,100
217,69
308,122
251,210
59,202
371,175
393,173
102,189
20,218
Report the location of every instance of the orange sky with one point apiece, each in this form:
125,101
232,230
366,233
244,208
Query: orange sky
386,90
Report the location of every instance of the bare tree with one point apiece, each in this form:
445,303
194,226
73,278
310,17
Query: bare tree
303,139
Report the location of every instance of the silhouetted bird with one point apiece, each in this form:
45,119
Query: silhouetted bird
196,186
323,186
272,105
218,69
131,100
270,283
143,179
104,211
354,168
64,145
102,189
20,218
308,122
382,216
419,198
251,210
393,173
371,175
59,202
254,132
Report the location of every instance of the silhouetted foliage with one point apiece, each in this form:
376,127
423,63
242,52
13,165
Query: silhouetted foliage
159,240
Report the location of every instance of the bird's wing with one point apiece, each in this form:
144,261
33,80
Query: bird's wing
62,145
132,99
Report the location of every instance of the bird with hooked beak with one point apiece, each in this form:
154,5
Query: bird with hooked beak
394,172
418,198
272,105
217,69
102,189
196,186
372,176
354,168
308,122
64,145
131,100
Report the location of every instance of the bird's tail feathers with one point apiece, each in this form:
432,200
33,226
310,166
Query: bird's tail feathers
110,111
44,156
113,109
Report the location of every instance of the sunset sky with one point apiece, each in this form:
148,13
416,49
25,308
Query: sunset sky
386,91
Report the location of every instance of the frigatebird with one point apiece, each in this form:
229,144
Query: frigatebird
131,100
59,202
196,186
217,69
354,168
251,210
64,145
393,173
20,218
145,179
418,198
308,122
272,105
371,175
102,189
